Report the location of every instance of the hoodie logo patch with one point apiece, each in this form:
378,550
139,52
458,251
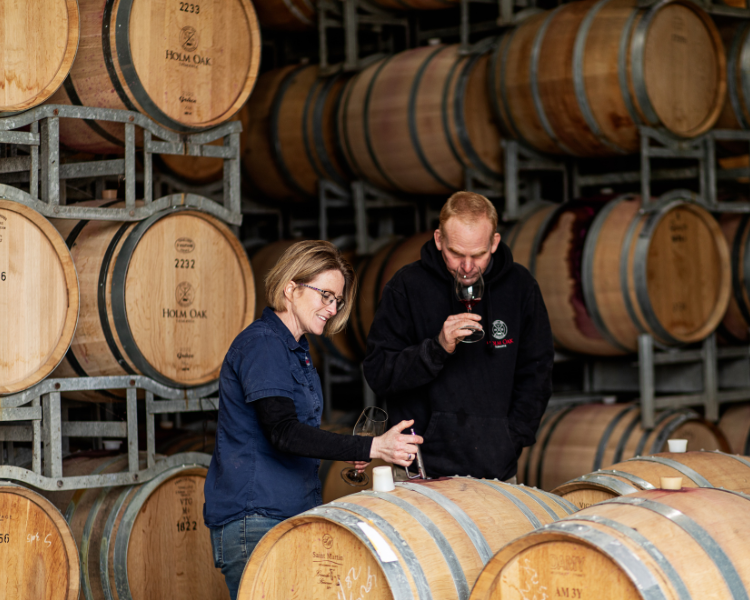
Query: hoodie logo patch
499,330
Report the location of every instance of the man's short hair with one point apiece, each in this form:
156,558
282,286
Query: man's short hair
468,206
304,261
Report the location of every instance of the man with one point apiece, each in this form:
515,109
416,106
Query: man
476,404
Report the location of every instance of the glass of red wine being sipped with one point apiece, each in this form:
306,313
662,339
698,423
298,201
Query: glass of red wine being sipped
371,423
469,287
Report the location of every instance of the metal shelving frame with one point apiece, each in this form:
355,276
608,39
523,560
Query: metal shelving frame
38,415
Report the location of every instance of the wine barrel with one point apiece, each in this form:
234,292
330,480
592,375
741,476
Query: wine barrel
163,297
580,79
39,298
263,261
38,554
188,442
735,425
188,66
373,273
290,138
416,121
736,110
39,45
287,15
735,327
670,545
423,540
697,469
141,542
577,440
608,272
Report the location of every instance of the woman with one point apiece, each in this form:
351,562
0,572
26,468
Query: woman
265,468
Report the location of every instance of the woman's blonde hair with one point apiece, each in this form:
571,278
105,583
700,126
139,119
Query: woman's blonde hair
304,261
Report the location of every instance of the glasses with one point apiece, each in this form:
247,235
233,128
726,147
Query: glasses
328,297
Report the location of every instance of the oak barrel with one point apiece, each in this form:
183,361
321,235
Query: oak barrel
580,79
188,66
263,260
39,44
670,545
373,273
736,110
38,555
577,440
423,540
141,542
735,327
163,297
735,425
290,137
39,298
608,273
697,469
287,15
416,121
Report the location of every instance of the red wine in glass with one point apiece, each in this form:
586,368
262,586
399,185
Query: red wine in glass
469,288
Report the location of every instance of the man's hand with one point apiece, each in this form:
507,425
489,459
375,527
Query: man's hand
455,329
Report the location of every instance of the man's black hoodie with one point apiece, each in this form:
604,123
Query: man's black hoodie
478,407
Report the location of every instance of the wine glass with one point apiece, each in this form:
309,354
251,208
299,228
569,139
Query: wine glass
371,423
469,287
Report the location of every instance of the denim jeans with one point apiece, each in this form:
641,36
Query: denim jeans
233,544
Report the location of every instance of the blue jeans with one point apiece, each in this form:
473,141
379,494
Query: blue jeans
233,544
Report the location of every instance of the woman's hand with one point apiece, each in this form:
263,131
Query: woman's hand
395,447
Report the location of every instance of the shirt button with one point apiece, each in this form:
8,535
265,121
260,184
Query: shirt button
311,388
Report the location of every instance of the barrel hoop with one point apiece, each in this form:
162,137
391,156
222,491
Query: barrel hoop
459,121
624,270
107,540
306,141
566,505
587,272
343,136
609,483
579,51
357,321
546,418
122,540
648,586
381,272
684,416
515,133
713,550
604,440
75,99
741,268
525,511
648,546
545,443
696,477
366,123
129,74
533,72
73,504
492,85
646,433
451,559
394,571
639,481
86,543
620,450
745,64
622,68
118,296
637,62
445,112
102,302
455,511
528,211
276,150
394,537
318,138
109,62
412,109
541,234
298,14
736,48
524,490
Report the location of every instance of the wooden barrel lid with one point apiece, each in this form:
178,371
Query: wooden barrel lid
191,65
39,298
188,292
39,43
38,556
684,68
687,274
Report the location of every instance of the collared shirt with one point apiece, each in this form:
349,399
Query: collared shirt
247,475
